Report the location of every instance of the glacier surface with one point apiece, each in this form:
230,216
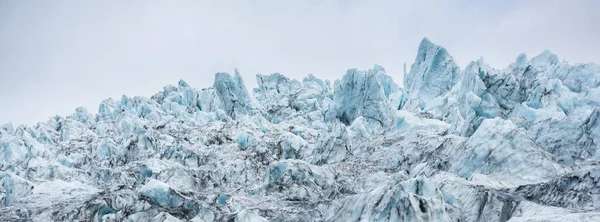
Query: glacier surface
473,144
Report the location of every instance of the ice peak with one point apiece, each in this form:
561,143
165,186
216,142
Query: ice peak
378,68
522,59
432,54
545,58
232,93
433,73
8,127
426,43
182,84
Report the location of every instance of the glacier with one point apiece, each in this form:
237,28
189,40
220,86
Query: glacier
450,144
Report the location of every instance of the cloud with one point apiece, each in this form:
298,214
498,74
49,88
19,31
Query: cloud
55,56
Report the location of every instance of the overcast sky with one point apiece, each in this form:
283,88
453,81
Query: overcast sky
58,55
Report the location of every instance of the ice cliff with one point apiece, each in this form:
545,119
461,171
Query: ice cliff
473,144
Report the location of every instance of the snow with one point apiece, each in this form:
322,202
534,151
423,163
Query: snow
535,212
248,216
407,121
164,217
481,144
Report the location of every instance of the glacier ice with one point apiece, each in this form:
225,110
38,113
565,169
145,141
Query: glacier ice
433,74
416,199
473,144
365,94
500,150
299,180
292,146
333,145
160,193
232,93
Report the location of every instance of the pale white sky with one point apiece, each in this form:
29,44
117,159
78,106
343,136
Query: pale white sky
58,55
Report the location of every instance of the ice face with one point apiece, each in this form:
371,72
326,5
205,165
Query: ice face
500,150
282,98
389,86
14,187
578,189
481,144
232,93
277,94
363,93
292,146
160,193
332,146
412,200
432,74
